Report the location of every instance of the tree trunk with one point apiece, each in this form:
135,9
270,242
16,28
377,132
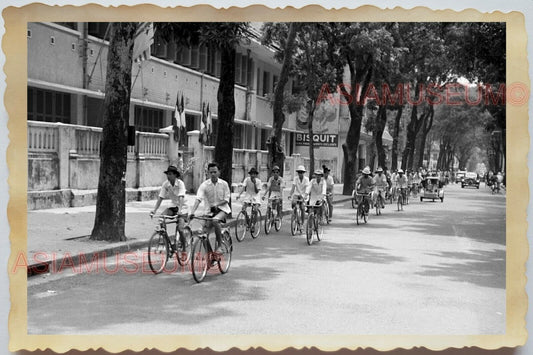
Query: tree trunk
396,135
110,215
426,127
412,130
226,114
350,150
362,74
381,121
276,156
311,142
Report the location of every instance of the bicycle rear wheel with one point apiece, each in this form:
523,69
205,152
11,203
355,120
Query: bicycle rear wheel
310,227
158,252
240,226
269,220
200,258
184,253
225,257
255,228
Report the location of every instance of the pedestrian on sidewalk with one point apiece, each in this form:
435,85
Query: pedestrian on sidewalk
174,189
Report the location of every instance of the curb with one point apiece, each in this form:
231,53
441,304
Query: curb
71,261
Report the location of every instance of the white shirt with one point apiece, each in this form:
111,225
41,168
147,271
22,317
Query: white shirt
300,186
212,194
172,192
316,191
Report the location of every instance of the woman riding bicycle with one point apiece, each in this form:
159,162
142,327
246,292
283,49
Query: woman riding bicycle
401,183
275,187
380,187
365,184
316,192
299,186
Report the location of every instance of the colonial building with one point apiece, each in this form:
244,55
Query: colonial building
66,83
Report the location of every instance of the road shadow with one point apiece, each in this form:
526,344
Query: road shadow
483,268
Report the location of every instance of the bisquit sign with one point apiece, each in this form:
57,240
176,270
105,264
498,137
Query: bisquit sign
319,140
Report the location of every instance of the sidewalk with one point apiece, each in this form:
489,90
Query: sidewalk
59,238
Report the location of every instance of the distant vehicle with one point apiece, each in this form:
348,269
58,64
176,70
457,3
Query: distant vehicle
459,176
470,180
432,189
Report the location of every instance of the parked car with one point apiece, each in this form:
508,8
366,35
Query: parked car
470,180
432,189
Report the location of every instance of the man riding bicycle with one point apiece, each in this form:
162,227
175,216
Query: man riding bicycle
401,183
299,186
365,185
252,186
174,189
316,192
216,194
275,187
329,189
380,187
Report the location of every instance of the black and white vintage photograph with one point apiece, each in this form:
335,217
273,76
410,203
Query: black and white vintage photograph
266,178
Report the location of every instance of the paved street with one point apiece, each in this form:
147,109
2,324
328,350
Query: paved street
435,268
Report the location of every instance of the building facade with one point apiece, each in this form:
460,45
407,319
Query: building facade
65,95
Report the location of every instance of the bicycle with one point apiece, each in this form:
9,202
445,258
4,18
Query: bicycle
273,214
401,199
380,201
362,207
203,256
297,217
244,222
315,224
160,247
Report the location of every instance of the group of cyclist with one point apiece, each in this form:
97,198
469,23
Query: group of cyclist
215,193
375,189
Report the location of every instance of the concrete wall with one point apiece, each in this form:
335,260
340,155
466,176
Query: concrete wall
43,171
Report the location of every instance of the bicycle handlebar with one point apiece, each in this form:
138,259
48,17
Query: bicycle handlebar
164,216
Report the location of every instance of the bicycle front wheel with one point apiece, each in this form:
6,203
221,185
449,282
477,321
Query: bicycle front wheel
225,257
278,220
184,252
319,229
294,222
269,220
310,227
200,258
256,225
240,226
158,252
359,213
399,202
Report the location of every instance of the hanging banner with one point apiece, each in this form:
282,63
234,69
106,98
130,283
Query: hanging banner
319,140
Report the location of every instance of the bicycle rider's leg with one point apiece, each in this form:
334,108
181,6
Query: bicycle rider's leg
171,211
217,219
